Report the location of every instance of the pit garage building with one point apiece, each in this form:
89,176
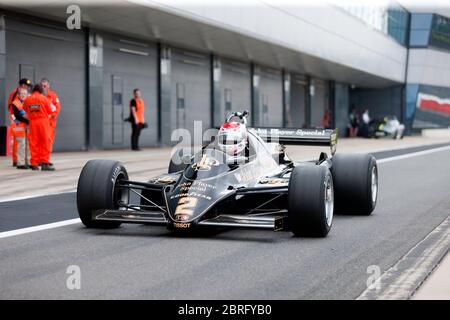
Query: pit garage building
287,65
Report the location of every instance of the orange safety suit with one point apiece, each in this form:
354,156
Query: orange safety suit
38,109
17,128
140,108
53,97
12,96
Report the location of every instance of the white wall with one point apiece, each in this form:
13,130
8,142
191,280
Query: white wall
429,66
326,32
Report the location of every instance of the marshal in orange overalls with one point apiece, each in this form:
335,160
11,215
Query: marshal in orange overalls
53,97
11,98
38,109
19,135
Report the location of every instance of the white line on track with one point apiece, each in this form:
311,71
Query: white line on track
53,225
414,154
12,233
38,195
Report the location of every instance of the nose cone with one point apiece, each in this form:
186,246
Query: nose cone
202,185
191,199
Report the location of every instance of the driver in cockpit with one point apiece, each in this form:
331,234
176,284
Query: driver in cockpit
233,141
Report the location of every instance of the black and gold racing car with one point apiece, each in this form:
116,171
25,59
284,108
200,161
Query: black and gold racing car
264,189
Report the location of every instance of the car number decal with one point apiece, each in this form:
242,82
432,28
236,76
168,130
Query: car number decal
186,206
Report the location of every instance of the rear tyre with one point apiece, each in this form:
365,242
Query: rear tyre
97,190
179,162
355,179
310,201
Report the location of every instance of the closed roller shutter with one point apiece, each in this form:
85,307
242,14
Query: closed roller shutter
190,90
298,92
235,94
37,50
319,102
270,106
128,64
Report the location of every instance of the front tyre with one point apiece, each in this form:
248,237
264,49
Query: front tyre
310,201
355,179
97,190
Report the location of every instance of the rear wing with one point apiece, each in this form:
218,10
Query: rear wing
293,136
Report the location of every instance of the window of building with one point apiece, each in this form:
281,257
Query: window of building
420,29
389,18
398,24
440,32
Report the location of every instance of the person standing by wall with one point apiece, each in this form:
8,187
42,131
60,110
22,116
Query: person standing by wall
53,97
326,119
366,117
19,130
23,84
365,123
353,124
137,108
39,109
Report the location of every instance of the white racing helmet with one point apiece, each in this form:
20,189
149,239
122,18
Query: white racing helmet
232,138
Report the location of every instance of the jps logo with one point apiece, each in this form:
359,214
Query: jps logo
165,179
205,164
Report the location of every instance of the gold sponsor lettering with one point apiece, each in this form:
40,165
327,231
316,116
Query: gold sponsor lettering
180,225
205,163
181,217
165,179
273,181
190,194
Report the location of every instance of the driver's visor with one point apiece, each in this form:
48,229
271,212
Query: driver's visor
229,139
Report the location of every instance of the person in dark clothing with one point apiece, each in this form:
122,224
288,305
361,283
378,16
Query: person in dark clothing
353,124
137,108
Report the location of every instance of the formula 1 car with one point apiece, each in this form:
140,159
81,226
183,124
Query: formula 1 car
262,188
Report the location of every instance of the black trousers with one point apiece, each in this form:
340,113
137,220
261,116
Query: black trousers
135,133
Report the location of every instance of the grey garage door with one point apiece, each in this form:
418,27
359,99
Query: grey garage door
297,115
128,64
269,108
190,90
235,94
37,50
319,102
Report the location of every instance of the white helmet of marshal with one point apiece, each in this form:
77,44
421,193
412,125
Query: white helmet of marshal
232,138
